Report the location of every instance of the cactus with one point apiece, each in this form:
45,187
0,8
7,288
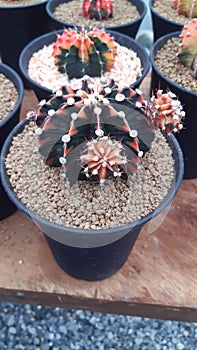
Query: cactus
166,112
99,130
187,8
187,51
97,9
84,52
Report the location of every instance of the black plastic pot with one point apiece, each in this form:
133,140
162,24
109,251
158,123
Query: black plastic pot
162,25
91,254
47,39
7,207
129,29
18,26
187,138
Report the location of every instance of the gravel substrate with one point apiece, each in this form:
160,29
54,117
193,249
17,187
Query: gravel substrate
8,96
71,12
127,68
8,3
166,10
85,205
167,62
25,327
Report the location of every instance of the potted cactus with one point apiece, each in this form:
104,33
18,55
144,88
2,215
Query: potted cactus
10,83
171,15
61,57
88,158
178,72
21,18
124,16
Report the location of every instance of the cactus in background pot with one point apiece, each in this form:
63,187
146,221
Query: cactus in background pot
102,129
187,8
97,9
187,51
83,52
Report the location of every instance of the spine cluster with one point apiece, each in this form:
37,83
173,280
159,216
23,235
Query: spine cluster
187,8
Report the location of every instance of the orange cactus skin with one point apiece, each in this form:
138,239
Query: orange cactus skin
83,52
187,51
97,9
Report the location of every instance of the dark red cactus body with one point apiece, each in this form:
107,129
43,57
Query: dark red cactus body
97,9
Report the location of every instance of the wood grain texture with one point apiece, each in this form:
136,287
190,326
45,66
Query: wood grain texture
159,280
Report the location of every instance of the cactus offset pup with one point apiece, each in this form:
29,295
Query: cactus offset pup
187,8
187,52
97,9
83,52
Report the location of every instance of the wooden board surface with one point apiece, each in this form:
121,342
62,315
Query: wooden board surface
159,280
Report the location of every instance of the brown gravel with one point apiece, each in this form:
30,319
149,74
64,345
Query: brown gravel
167,63
85,205
7,3
165,9
70,12
8,96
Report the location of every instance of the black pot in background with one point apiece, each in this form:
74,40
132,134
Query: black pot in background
129,29
91,254
18,26
188,136
6,125
47,39
162,25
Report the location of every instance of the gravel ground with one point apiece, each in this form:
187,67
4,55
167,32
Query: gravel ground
25,327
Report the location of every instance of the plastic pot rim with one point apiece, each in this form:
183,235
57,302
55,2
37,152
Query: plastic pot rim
158,45
22,6
11,74
142,15
163,18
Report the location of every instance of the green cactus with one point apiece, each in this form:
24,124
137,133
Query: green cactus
83,52
187,51
187,8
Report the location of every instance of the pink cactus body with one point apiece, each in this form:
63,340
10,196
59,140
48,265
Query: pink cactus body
187,8
187,51
97,9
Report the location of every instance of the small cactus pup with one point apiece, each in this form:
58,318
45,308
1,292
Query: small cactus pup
97,9
166,112
187,8
84,52
187,51
100,131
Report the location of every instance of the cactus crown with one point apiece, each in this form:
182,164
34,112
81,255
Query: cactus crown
97,9
187,52
83,52
187,8
101,130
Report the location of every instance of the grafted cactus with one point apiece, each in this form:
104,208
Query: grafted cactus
97,130
97,9
83,52
187,8
187,51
